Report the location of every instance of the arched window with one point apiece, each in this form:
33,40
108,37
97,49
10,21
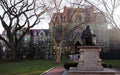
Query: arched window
42,35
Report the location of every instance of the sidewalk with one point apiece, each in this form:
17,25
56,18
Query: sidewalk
55,71
62,71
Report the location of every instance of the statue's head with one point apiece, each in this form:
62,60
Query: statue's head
88,27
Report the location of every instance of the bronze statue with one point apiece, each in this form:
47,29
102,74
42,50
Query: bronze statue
87,36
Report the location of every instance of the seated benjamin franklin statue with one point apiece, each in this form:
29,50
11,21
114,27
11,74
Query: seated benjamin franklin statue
87,37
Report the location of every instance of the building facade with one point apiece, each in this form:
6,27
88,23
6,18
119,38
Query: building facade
78,19
35,44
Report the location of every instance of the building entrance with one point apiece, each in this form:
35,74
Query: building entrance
77,47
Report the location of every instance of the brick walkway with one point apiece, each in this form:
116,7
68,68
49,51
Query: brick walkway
55,71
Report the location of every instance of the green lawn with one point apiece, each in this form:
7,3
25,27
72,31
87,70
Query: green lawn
114,63
28,67
36,67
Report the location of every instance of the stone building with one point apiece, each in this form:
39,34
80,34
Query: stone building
114,45
114,40
33,45
82,17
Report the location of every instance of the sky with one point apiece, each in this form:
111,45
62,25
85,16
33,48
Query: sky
44,24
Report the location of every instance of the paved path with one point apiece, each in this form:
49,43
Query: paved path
62,71
55,71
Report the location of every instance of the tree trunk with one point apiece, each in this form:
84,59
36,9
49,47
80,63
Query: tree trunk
58,55
13,52
13,55
57,50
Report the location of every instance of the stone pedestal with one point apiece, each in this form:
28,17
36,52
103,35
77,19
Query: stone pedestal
89,58
90,62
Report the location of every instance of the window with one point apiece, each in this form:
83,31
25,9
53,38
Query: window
65,18
78,19
42,35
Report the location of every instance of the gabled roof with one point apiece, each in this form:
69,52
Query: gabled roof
77,38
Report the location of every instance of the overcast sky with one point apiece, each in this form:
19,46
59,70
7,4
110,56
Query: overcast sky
44,22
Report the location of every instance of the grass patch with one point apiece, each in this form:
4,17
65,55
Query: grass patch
36,67
28,67
114,63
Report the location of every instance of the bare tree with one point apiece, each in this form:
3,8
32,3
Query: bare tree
59,27
15,16
110,9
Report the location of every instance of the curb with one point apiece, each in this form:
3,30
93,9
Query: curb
47,71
